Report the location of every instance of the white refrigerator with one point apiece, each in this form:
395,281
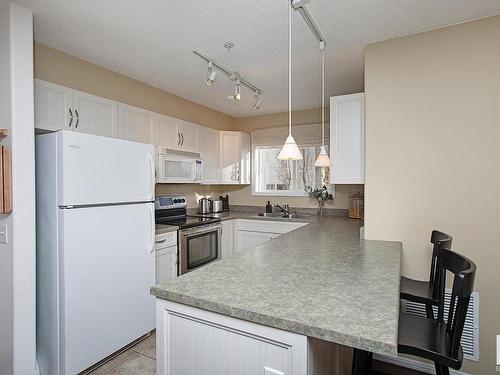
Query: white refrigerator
95,248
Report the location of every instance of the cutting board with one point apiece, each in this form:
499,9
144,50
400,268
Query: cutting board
5,180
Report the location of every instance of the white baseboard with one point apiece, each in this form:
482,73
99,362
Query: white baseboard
413,364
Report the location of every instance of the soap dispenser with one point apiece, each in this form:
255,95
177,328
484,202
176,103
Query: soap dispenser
269,207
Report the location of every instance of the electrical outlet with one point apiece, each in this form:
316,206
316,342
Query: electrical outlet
4,237
271,371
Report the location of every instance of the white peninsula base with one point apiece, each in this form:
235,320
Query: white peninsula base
193,341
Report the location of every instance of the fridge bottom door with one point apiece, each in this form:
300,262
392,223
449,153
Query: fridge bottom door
108,268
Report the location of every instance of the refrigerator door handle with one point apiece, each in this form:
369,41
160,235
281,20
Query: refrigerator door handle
153,177
152,223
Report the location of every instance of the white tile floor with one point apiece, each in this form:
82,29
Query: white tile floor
138,360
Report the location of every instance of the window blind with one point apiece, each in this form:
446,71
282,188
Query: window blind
305,135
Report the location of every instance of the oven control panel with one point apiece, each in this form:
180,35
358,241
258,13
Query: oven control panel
165,202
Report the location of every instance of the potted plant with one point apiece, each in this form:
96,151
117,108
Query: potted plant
321,195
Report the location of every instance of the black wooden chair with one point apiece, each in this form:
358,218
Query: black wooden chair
426,291
435,339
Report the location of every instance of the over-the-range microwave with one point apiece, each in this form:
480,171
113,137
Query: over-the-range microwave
175,166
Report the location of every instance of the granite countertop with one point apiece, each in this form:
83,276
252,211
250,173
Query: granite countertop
320,280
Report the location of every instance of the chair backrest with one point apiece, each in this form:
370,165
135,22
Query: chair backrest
439,240
464,271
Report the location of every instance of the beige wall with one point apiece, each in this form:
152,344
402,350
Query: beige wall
307,116
432,154
58,67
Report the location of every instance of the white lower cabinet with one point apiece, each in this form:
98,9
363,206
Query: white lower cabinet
166,257
250,233
227,238
194,341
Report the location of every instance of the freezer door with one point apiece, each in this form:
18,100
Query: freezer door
98,170
108,267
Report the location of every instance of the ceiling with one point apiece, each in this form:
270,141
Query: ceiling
152,40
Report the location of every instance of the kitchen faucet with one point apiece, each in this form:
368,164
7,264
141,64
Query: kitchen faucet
285,210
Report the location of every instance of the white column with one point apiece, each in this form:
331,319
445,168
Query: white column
17,256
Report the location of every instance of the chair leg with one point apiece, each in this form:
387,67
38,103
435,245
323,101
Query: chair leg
361,362
441,369
429,311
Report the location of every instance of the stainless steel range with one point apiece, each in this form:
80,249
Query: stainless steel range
198,236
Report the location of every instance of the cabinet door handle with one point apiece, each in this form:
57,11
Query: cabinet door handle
178,139
182,137
70,117
77,119
161,241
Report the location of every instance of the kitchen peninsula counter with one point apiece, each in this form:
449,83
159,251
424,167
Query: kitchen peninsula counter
320,280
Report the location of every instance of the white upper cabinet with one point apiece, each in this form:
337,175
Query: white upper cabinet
136,124
53,110
234,157
165,132
209,150
188,133
95,115
347,139
58,107
177,134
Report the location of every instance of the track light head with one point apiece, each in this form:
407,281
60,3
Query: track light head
237,91
211,73
257,100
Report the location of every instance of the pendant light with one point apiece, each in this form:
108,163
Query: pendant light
323,159
290,150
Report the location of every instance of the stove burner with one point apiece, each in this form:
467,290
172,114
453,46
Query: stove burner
187,221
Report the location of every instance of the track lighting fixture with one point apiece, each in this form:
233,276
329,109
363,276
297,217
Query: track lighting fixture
257,100
211,73
213,67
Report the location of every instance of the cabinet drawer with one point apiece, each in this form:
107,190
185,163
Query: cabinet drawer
165,240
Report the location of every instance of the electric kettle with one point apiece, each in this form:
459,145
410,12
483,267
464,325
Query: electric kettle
205,205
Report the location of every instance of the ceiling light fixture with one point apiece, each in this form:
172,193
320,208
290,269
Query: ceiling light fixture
323,160
290,150
257,100
211,73
232,75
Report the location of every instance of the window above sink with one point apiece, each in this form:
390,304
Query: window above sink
273,177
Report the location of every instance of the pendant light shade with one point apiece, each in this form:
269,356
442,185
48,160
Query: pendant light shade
323,159
290,150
